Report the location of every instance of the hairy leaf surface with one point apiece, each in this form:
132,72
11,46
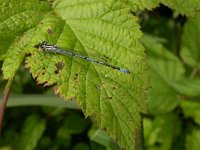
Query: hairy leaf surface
143,4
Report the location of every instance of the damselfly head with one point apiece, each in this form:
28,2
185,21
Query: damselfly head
41,45
44,43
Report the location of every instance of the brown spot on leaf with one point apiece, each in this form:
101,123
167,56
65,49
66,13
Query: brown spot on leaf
71,98
50,31
110,97
75,81
56,71
98,86
76,76
114,88
59,67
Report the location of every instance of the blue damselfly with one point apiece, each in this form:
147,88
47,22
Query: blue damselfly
55,49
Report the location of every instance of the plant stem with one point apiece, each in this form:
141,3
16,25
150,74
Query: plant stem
194,72
139,141
4,101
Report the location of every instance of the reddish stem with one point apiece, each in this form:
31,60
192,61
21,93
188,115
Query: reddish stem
3,105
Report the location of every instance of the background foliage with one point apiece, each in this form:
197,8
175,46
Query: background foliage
170,37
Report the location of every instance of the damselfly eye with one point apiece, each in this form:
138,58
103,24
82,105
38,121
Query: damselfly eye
41,45
44,43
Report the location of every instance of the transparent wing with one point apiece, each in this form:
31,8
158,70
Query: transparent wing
93,55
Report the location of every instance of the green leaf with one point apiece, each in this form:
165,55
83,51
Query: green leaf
102,138
73,124
18,17
15,55
17,22
31,133
191,109
160,132
193,140
188,8
113,99
165,69
144,4
184,7
190,44
188,87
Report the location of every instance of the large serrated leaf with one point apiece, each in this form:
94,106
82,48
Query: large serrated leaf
17,22
17,17
112,98
15,55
